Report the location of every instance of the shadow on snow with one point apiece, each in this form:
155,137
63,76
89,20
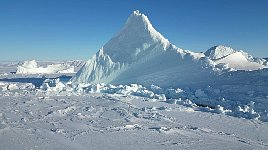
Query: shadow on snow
37,82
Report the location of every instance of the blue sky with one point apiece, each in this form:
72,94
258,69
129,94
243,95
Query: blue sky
76,29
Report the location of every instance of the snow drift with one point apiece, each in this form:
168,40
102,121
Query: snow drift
31,67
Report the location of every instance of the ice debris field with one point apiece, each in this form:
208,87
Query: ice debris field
138,91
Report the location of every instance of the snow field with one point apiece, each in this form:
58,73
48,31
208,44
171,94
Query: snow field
199,100
42,119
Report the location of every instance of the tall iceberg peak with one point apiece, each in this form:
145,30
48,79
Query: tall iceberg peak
136,38
140,54
140,22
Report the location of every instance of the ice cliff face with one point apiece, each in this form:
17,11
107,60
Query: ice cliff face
140,54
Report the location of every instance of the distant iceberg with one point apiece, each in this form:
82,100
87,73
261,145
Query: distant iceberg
31,67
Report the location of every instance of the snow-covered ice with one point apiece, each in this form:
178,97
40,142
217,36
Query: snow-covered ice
31,67
238,60
35,118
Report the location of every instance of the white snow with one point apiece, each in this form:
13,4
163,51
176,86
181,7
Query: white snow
31,67
82,119
208,100
239,61
218,52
